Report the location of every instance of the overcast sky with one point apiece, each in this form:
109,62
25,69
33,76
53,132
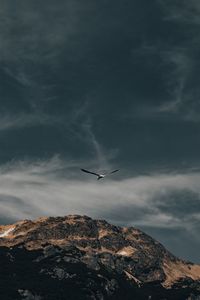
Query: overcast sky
101,85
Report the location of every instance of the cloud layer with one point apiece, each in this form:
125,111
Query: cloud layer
56,187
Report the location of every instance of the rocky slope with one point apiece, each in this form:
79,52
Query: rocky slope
76,257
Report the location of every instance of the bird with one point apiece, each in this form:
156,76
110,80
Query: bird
99,176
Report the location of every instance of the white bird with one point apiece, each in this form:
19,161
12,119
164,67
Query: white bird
99,176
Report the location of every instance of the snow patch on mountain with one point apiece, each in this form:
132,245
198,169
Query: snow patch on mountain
6,233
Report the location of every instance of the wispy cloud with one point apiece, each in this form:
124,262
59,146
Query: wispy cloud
35,40
179,68
76,124
57,187
180,71
180,60
28,32
102,156
186,11
80,120
16,121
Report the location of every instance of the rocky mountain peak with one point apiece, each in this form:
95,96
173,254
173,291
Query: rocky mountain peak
123,252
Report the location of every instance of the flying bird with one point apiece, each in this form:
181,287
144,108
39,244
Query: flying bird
99,176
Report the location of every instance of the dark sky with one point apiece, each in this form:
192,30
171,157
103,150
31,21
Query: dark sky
101,85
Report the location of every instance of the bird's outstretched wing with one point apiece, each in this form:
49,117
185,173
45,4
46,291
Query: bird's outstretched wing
113,171
86,171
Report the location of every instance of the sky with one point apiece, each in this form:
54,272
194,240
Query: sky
102,85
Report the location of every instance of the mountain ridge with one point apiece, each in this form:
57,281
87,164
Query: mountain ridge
97,244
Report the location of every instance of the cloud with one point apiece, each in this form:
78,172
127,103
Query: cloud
177,62
16,121
76,126
186,11
181,66
182,93
180,59
35,40
155,203
57,187
35,33
36,117
81,123
102,156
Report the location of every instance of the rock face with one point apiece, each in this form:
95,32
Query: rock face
76,257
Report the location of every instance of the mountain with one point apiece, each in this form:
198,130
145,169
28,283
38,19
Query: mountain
76,257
